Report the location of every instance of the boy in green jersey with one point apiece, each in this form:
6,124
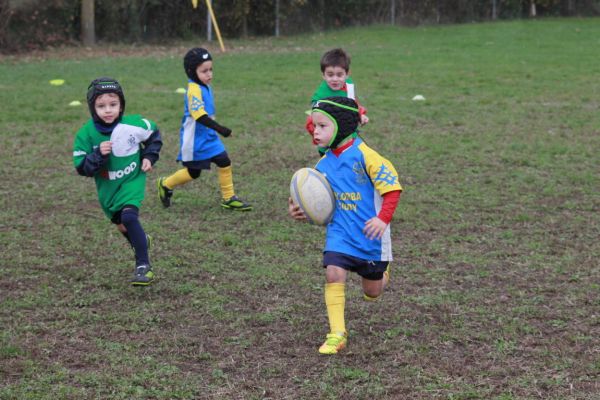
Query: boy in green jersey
335,67
118,150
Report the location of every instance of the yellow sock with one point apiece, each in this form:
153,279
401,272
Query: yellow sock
387,276
226,182
335,299
178,178
369,298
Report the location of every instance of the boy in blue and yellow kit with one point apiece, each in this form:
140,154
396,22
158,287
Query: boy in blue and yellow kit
200,145
367,191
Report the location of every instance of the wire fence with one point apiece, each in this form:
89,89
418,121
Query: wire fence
30,24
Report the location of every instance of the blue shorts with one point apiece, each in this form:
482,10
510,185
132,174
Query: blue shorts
371,270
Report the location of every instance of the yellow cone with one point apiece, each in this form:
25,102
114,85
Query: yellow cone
57,82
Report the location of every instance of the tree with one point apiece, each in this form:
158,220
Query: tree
532,9
5,15
88,29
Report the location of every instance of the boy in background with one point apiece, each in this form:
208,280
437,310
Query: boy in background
200,146
335,67
367,191
118,150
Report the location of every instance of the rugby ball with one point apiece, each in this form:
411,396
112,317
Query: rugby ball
311,191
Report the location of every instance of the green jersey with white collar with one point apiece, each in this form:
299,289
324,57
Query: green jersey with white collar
119,178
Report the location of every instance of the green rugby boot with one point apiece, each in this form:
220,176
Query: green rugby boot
235,203
164,193
149,241
143,276
334,343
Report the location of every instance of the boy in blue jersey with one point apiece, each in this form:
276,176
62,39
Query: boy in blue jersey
367,191
200,146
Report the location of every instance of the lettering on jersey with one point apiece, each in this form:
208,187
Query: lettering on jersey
348,196
386,176
79,153
347,207
344,197
361,174
196,103
112,175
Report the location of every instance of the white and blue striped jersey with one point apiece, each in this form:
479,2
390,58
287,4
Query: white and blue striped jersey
197,141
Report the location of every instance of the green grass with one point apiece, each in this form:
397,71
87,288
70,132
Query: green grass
495,286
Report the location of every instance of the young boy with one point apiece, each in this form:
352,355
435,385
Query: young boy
335,67
200,144
367,191
118,150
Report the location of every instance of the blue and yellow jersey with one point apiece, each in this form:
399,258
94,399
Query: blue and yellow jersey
197,141
359,177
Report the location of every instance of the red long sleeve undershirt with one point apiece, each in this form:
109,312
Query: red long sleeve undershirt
390,202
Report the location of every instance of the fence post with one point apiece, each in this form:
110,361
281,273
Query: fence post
208,26
276,18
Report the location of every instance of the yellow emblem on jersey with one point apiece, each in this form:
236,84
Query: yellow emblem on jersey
197,104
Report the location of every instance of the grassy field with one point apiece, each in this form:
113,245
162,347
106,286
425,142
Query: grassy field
495,288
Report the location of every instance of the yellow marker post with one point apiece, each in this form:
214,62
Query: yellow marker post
214,21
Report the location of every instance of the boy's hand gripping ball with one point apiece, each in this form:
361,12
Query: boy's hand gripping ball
311,191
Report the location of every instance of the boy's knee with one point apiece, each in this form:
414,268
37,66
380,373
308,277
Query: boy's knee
222,160
334,274
194,173
129,215
372,290
334,279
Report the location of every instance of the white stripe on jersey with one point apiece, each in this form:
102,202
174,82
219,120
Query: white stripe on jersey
350,89
187,141
386,239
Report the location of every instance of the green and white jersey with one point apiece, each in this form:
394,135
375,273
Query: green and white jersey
120,181
324,91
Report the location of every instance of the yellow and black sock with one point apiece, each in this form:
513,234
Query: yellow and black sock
335,300
179,178
226,182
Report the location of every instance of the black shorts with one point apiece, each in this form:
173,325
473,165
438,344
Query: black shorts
221,160
371,270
